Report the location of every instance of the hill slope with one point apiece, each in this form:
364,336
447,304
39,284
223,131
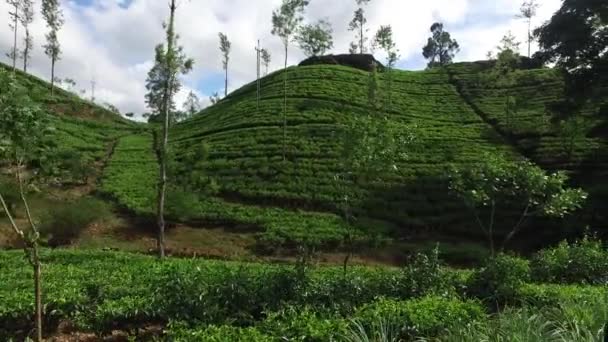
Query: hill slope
83,132
533,132
294,200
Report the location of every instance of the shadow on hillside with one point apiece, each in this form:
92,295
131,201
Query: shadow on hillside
424,209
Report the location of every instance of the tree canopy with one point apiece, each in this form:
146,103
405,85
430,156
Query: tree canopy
315,39
576,40
440,48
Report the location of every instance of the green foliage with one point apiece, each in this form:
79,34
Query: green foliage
499,184
574,39
568,321
357,24
499,281
584,261
384,39
162,82
23,125
66,221
303,324
315,40
53,15
209,300
551,295
424,317
287,18
424,275
440,48
72,166
130,176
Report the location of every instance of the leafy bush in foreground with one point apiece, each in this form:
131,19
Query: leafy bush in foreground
570,320
500,279
428,316
584,262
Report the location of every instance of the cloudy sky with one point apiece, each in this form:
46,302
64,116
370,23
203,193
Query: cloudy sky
112,41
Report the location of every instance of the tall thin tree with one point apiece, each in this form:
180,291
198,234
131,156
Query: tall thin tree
23,128
285,22
51,11
26,18
384,39
14,15
162,85
358,24
528,11
225,46
258,53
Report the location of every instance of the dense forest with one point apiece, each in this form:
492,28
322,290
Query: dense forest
341,199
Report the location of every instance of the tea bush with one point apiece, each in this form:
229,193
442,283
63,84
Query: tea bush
582,262
422,317
500,279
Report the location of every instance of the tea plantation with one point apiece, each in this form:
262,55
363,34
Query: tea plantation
94,293
452,123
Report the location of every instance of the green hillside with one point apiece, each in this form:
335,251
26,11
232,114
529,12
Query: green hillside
233,152
80,126
533,132
293,201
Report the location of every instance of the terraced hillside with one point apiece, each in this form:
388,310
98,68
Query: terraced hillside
283,198
80,126
534,133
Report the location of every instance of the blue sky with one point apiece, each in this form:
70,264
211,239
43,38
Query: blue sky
112,41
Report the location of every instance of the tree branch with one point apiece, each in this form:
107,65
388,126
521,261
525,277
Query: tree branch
11,219
517,227
23,199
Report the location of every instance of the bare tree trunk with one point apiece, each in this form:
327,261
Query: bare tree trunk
162,183
285,101
226,82
52,75
15,37
162,187
361,38
517,227
27,49
37,290
30,249
529,36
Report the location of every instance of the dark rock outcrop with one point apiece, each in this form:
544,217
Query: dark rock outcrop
362,62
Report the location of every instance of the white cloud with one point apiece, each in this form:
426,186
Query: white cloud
114,43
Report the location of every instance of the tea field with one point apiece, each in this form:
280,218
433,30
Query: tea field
95,293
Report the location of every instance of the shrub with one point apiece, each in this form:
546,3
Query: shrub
544,295
425,275
237,295
583,262
73,166
570,320
64,222
295,324
423,317
182,205
500,279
